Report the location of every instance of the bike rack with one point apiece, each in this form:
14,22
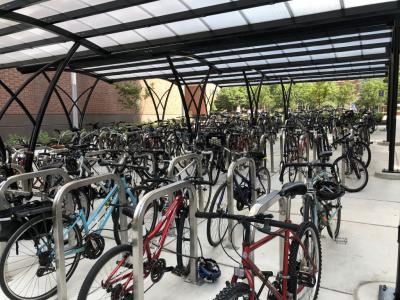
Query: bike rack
27,188
137,227
264,203
188,157
229,185
58,224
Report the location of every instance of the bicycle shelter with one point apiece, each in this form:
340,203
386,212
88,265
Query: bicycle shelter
191,43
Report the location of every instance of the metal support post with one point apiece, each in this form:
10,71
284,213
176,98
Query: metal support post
59,230
394,81
271,151
137,229
229,186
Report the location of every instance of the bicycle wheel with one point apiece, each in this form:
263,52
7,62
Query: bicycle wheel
334,215
354,171
216,228
183,243
239,290
305,263
362,152
149,222
263,181
108,276
27,265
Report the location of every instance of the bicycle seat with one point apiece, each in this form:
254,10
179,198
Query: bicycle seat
293,189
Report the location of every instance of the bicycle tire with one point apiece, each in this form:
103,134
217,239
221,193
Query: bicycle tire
213,208
333,231
124,249
182,231
294,251
21,234
355,165
116,227
265,183
360,147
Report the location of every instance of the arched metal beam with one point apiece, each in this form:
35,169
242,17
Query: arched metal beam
43,107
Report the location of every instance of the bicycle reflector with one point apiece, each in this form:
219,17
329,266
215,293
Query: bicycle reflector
208,269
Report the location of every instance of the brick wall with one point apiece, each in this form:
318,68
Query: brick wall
103,107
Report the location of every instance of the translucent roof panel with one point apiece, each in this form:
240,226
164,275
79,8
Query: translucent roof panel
266,13
225,20
301,7
187,26
193,4
163,7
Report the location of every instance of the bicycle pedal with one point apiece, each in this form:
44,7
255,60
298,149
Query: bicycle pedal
342,241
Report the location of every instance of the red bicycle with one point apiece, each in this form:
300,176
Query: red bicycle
301,272
111,276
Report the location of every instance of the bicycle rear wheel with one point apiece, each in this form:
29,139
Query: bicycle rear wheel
362,152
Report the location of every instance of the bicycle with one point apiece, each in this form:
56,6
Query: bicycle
111,275
81,240
301,268
242,195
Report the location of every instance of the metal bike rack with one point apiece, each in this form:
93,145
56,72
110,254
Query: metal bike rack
199,171
263,142
58,224
281,145
137,227
264,203
27,188
229,185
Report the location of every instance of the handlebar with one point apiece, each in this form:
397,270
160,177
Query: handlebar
265,219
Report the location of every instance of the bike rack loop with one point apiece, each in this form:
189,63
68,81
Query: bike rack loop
26,187
229,185
187,157
137,227
58,224
264,203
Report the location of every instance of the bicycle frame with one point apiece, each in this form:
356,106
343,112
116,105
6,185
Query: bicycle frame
163,225
251,269
110,200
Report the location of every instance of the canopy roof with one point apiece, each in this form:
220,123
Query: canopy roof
306,40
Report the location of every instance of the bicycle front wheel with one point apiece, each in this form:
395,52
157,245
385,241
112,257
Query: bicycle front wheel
263,181
110,276
305,263
353,173
334,216
216,228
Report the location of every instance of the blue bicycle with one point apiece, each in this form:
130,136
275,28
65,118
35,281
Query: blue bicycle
27,265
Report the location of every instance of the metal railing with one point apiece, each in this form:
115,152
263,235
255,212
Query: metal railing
188,160
137,227
58,224
230,185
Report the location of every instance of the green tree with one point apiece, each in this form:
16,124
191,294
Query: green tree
129,94
345,94
370,93
230,98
